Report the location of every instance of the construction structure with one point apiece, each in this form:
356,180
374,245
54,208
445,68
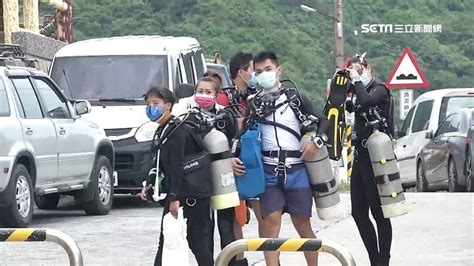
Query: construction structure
38,42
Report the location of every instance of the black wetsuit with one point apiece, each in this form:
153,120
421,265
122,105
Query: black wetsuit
227,125
195,200
364,194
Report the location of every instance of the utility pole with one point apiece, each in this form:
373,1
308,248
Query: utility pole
338,31
338,34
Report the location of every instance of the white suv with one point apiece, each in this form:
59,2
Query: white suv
47,149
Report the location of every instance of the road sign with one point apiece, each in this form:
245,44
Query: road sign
407,73
406,101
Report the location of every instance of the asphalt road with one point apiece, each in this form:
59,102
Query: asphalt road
439,231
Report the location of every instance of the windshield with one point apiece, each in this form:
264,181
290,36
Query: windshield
109,77
453,104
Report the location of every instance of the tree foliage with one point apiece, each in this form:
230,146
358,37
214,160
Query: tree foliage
302,40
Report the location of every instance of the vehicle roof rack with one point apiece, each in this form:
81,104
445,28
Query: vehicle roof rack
12,52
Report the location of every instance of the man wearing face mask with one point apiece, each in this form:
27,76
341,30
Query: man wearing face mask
236,99
284,116
364,195
176,144
241,72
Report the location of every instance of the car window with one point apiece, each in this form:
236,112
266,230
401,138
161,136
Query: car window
451,124
55,106
422,116
199,63
453,104
407,122
188,68
29,104
4,106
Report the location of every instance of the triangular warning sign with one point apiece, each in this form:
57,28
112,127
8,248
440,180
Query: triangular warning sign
407,73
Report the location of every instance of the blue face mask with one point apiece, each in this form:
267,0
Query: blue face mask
365,79
252,83
154,112
267,79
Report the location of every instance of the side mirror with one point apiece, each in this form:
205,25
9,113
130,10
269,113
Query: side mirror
82,107
184,91
429,134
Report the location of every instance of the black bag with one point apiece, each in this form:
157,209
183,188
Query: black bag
197,175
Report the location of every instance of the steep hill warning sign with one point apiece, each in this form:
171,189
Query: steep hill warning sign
407,73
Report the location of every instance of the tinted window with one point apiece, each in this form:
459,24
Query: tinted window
109,77
222,71
422,116
188,67
451,124
30,106
453,104
198,63
407,122
55,107
4,106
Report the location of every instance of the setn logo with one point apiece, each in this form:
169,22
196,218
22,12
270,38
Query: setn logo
377,28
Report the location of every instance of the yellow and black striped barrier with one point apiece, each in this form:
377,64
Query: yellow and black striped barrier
349,151
285,245
46,235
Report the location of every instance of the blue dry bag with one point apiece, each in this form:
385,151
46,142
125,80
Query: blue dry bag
252,183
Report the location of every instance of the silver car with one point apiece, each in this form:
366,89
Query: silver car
445,162
47,149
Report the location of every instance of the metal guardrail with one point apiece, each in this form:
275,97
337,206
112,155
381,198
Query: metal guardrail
45,235
281,244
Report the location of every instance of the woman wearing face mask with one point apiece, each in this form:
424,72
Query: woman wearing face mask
194,196
205,97
369,92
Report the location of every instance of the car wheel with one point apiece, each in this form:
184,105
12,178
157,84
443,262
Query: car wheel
421,185
20,212
103,189
452,177
47,202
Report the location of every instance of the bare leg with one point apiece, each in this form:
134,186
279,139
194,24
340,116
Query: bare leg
303,227
255,205
271,229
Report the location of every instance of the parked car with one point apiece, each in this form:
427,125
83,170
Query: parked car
48,149
223,73
446,161
119,71
427,112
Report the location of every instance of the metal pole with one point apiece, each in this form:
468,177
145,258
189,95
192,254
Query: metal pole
230,251
261,244
338,34
338,251
48,235
65,241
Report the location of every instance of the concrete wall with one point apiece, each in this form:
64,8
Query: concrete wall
38,47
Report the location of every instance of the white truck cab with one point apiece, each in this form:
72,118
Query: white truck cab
113,74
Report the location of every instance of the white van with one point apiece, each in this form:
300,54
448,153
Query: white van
427,112
113,74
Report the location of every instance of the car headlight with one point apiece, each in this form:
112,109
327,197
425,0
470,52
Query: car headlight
146,132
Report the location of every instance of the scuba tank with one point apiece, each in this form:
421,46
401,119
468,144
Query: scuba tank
223,181
323,183
385,168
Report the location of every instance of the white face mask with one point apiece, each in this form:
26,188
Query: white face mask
365,78
267,79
